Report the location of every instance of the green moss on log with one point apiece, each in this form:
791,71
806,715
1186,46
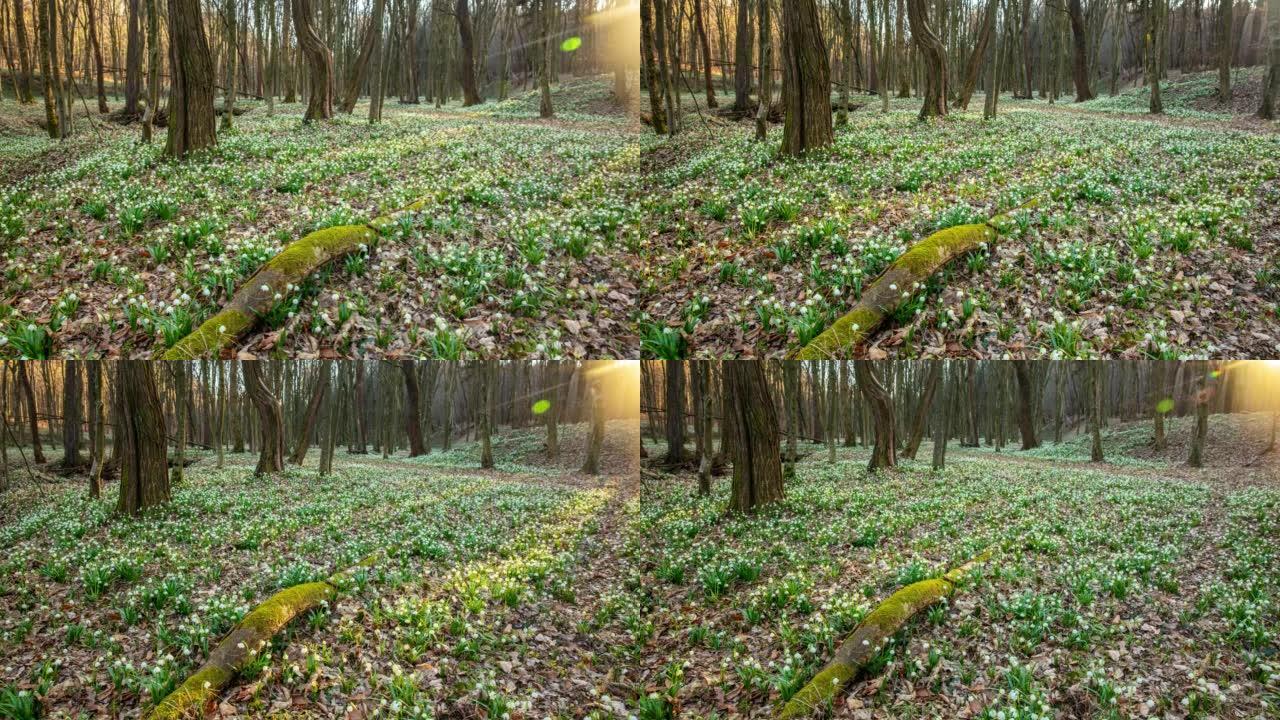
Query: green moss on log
239,648
212,335
870,635
301,257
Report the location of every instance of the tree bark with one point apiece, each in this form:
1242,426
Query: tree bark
412,422
595,435
467,73
942,425
752,421
487,382
362,442
91,27
979,56
933,56
24,382
1095,409
1080,50
675,412
72,415
1196,458
1226,25
191,115
270,420
303,441
140,433
806,77
923,410
319,62
1271,81
649,67
97,436
877,398
766,73
1157,399
360,67
742,58
700,27
1026,420
132,59
551,395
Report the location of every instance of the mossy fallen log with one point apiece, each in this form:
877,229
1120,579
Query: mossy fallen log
249,638
870,636
897,282
289,267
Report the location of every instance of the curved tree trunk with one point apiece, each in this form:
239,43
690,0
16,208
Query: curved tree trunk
319,62
922,411
140,433
978,57
360,68
191,115
806,77
934,58
91,27
270,420
303,442
752,422
881,410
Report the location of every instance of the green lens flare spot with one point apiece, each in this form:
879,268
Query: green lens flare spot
571,44
1164,406
541,406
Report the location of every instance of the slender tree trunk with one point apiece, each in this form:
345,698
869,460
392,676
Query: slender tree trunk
139,431
978,57
649,67
702,379
152,104
1080,50
91,28
766,73
1196,459
752,421
24,53
1158,405
97,435
700,28
741,58
551,395
1095,369
24,381
675,412
132,59
1226,25
362,442
595,436
941,425
72,415
360,68
467,73
487,382
1271,81
182,418
1026,418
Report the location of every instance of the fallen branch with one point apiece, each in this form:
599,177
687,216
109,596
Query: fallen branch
257,296
249,638
894,285
870,636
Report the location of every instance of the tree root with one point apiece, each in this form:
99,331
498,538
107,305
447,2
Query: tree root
249,638
870,636
267,286
895,284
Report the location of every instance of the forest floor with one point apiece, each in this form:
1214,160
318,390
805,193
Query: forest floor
110,250
1115,590
1153,238
502,593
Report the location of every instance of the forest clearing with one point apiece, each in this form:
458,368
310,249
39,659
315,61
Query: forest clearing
512,247
1143,584
483,578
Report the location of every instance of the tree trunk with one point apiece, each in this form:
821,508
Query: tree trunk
332,409
91,27
191,115
303,440
24,381
766,73
1271,81
1080,50
877,398
378,85
752,421
412,422
1095,409
1158,405
72,415
806,78
24,54
467,73
742,58
942,425
1153,52
1226,25
702,396
97,436
1026,419
1196,459
923,410
551,396
979,56
487,383
934,58
270,420
229,96
362,439
360,67
47,47
649,67
153,70
182,418
319,62
675,412
132,60
700,27
139,431
595,437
